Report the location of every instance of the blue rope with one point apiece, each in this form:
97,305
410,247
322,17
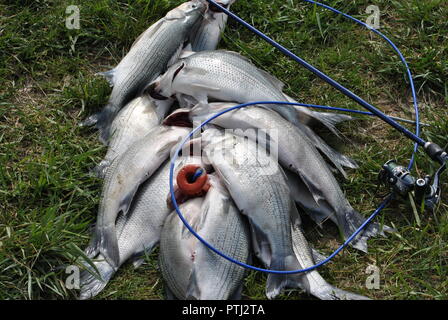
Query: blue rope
338,86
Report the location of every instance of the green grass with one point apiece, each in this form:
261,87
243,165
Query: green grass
48,200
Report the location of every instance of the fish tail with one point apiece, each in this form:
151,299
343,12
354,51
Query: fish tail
102,121
100,170
328,292
352,221
330,120
277,282
93,282
339,160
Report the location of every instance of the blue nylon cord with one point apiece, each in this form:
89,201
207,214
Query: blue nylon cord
347,92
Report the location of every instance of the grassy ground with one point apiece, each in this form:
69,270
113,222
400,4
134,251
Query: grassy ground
48,200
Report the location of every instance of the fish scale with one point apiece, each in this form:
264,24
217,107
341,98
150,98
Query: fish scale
123,178
133,122
207,276
147,58
147,62
222,65
227,231
261,195
137,232
232,239
209,32
175,250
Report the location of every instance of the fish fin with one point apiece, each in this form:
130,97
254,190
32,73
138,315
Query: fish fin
91,282
167,148
201,87
149,32
101,169
261,247
277,282
195,223
176,56
201,109
137,262
162,107
236,54
92,249
89,121
169,294
275,82
125,204
329,120
317,256
236,295
185,101
102,121
329,292
337,159
305,200
352,221
139,258
193,291
179,117
186,53
109,76
318,215
107,244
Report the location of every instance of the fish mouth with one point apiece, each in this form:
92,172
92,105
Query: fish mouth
179,118
153,92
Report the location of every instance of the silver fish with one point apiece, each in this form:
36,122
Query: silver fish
297,154
258,187
180,244
209,33
122,180
137,232
149,56
211,277
227,76
133,122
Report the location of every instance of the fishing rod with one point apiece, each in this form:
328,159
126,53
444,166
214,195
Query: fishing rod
397,177
434,151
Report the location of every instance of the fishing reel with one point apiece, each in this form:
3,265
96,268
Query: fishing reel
426,190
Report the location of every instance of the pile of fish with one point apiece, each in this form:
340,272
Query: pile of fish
256,168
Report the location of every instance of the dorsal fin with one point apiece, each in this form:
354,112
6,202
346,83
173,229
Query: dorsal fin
276,82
